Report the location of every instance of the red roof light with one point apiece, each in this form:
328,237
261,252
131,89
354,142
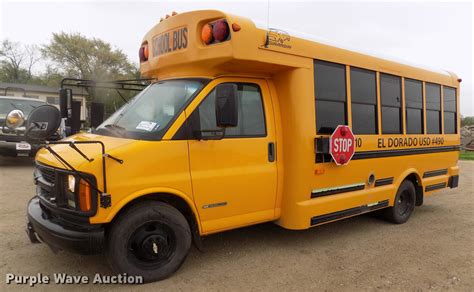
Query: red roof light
220,30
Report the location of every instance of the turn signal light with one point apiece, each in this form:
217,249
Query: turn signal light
143,52
84,196
215,32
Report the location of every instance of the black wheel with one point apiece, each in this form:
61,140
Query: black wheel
404,204
151,239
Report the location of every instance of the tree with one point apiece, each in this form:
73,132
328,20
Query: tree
467,121
17,61
77,56
49,77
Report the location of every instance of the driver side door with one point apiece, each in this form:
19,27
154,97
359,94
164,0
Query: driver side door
234,178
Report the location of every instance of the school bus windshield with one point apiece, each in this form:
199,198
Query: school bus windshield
148,114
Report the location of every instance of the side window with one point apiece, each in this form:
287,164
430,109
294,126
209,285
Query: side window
52,99
450,108
330,94
250,111
414,106
390,94
433,108
363,101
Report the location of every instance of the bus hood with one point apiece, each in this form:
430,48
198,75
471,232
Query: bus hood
92,151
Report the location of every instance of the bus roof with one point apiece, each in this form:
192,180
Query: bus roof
255,50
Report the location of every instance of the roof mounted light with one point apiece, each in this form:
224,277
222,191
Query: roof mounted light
220,31
144,52
215,32
206,34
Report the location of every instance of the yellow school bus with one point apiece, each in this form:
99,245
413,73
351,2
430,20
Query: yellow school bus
236,130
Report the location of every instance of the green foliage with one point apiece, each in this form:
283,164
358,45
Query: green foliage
467,121
466,155
76,56
17,61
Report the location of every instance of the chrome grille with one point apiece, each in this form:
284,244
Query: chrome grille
47,174
46,182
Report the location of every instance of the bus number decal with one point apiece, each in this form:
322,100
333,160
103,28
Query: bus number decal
409,142
358,142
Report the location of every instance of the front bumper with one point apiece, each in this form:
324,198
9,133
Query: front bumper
87,239
8,148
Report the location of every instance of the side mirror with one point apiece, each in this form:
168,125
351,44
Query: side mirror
226,105
65,102
42,122
97,114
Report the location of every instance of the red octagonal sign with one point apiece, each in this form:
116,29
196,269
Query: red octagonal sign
342,145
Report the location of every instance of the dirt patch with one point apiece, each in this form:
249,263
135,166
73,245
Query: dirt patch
432,251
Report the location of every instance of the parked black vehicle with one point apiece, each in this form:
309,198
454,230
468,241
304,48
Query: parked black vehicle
14,113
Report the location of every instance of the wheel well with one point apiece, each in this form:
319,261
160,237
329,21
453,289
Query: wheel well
413,177
174,201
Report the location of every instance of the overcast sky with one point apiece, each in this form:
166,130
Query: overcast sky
435,34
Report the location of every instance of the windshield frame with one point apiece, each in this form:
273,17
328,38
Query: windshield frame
157,136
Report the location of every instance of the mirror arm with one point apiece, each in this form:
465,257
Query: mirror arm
73,146
76,172
113,158
105,200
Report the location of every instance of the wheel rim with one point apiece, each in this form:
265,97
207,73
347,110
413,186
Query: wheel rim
152,245
404,203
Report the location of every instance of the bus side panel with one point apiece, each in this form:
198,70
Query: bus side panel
313,189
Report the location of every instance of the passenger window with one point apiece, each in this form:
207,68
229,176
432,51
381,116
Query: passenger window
414,106
433,108
363,101
330,95
251,117
450,109
390,93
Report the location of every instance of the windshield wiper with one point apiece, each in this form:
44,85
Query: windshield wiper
14,106
116,128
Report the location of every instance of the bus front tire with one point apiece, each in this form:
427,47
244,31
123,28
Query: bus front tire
151,239
404,204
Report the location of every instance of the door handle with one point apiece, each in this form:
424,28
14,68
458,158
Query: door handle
271,152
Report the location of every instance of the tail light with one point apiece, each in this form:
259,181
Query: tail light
84,196
143,52
215,32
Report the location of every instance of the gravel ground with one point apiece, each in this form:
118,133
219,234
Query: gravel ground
432,251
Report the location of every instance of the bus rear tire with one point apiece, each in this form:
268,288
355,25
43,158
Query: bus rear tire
404,204
151,239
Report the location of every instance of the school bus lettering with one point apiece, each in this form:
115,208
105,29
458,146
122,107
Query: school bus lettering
236,142
170,41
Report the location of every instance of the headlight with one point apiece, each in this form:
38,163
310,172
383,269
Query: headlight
15,119
71,183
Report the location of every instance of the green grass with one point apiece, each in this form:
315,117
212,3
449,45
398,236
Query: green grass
466,155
